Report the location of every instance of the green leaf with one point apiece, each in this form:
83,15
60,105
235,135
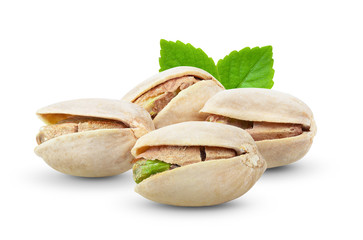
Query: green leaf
175,54
247,68
145,168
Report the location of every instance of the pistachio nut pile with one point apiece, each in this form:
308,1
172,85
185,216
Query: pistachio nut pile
210,145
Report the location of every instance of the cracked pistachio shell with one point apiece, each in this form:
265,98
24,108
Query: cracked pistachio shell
96,153
186,105
205,183
265,105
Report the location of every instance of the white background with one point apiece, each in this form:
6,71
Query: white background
52,51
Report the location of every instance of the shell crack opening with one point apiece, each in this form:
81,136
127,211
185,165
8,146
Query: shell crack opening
262,130
157,159
156,99
76,124
184,155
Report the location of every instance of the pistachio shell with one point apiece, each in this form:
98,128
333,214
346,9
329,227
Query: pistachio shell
280,152
165,76
97,153
130,114
186,105
196,134
201,184
264,105
256,104
208,182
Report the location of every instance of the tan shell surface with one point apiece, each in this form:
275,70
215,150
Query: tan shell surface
97,153
130,114
165,76
280,152
187,104
256,104
196,133
263,105
201,184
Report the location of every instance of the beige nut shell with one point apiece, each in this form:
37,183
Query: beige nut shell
204,183
186,105
97,153
130,114
265,105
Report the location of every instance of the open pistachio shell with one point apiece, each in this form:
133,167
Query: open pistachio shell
207,182
130,114
96,153
264,105
186,104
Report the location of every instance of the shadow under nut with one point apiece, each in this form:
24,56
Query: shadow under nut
98,153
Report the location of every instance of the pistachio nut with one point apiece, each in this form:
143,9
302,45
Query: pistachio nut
282,125
175,95
196,164
91,137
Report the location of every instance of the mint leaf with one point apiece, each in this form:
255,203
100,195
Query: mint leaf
243,69
175,54
247,68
